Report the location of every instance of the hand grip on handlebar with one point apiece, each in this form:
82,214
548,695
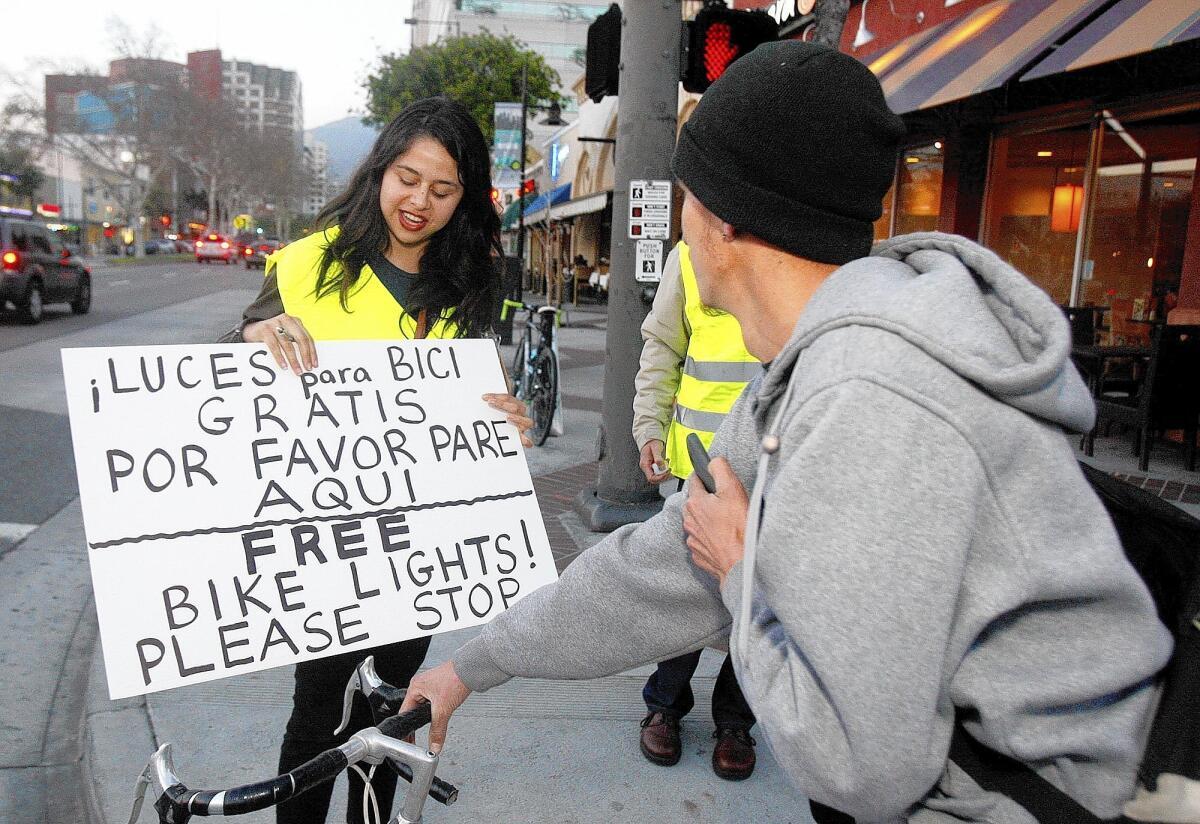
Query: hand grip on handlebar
401,725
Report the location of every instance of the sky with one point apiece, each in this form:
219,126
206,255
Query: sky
331,45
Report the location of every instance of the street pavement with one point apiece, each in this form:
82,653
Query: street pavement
536,751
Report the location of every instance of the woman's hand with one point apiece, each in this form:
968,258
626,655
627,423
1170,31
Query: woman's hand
715,522
515,411
286,339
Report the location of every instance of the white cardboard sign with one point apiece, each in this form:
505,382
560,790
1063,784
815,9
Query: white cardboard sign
239,517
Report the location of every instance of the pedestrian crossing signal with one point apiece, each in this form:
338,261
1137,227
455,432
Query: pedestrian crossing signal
718,36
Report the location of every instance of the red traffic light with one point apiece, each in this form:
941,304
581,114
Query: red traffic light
529,187
718,36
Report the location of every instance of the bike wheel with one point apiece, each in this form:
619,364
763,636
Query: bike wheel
520,369
543,395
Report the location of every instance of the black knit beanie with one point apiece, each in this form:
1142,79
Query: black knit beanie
795,145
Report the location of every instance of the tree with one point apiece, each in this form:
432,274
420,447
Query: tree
130,136
477,70
19,172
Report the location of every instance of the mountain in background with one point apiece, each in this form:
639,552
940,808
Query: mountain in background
348,141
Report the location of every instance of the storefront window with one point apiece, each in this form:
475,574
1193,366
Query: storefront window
1143,194
1035,200
883,226
919,189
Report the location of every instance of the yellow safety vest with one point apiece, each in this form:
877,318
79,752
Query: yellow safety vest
371,312
715,371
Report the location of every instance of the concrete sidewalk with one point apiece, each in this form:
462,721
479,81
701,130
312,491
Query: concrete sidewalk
530,751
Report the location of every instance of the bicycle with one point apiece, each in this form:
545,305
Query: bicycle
175,803
535,366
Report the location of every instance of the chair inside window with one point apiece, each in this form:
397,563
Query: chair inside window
1083,324
1166,397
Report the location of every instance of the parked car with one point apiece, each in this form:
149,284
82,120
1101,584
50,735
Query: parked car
215,247
159,246
255,254
36,269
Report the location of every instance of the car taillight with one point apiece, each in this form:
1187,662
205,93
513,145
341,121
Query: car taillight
199,243
248,251
224,245
12,260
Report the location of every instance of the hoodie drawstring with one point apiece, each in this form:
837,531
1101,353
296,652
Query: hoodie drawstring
769,446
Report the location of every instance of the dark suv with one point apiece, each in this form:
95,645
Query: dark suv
36,269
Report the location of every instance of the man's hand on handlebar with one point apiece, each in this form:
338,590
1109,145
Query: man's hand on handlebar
445,692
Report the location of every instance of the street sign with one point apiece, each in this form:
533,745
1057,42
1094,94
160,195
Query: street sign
650,209
649,255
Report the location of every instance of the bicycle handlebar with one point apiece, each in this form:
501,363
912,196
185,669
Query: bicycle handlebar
176,803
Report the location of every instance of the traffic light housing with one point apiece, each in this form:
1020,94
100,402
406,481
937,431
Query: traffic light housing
529,187
715,38
603,61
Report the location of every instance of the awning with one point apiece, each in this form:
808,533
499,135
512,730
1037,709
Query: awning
1129,27
536,210
583,205
976,52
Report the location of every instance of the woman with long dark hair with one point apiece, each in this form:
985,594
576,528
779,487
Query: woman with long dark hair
410,249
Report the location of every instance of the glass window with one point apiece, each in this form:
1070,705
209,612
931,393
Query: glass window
883,226
1143,195
19,234
919,189
1034,204
39,239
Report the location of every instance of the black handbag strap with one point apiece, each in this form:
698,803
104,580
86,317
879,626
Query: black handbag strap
998,773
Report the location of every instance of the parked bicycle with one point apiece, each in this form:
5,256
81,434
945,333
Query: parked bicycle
176,804
535,366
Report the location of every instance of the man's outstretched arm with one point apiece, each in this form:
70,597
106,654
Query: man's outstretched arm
635,598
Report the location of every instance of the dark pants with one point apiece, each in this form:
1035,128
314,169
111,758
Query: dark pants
316,711
669,691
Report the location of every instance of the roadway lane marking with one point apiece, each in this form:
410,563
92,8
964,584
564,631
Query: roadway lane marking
170,274
119,283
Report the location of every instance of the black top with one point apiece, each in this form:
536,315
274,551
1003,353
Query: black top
397,281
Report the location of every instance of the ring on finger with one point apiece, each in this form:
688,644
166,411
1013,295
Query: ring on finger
284,333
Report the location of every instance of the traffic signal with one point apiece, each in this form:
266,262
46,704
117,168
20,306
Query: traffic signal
529,187
718,36
603,61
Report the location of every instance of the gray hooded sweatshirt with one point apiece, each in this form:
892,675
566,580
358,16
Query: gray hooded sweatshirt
926,542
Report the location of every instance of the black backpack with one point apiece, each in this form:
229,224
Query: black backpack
1163,544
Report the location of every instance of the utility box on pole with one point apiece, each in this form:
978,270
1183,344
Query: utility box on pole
646,121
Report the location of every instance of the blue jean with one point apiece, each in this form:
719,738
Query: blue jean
669,691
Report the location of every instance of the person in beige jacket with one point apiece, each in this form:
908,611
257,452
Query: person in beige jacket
667,335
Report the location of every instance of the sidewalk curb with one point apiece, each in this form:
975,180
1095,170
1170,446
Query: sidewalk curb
108,728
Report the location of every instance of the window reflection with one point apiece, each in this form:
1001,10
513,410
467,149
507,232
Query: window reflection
1035,200
919,192
1143,195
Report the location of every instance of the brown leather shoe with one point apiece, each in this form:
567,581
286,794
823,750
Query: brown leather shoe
733,757
660,739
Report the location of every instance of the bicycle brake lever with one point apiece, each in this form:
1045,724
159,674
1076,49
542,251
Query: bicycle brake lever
383,698
159,772
139,794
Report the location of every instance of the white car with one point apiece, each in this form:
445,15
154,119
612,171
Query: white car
215,247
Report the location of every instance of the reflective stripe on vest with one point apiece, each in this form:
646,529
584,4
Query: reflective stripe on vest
715,371
371,312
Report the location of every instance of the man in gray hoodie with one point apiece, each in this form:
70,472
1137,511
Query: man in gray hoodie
918,541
